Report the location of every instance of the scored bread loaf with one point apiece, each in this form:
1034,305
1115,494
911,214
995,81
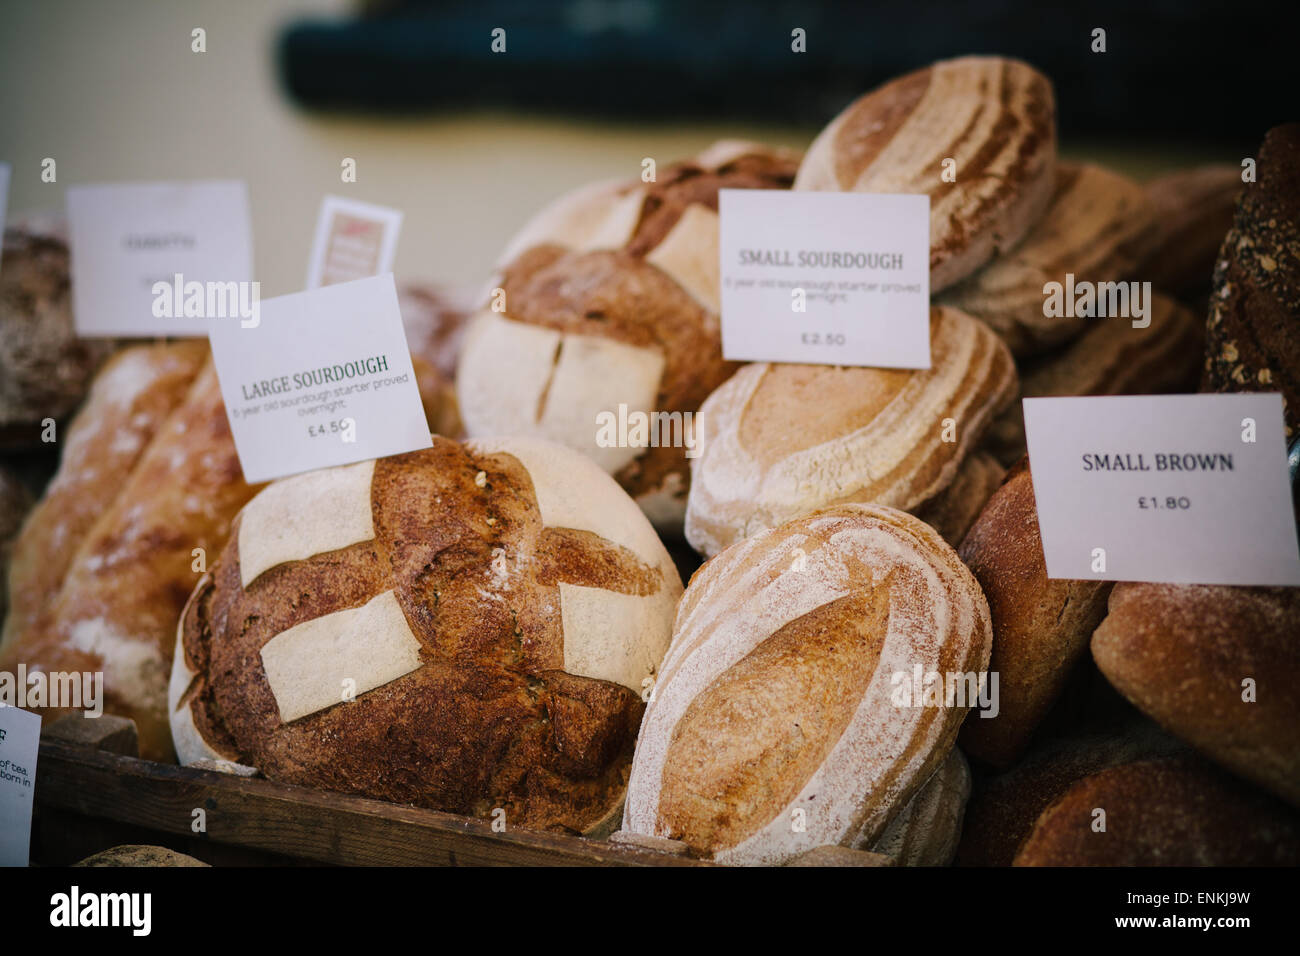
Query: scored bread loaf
1092,230
777,724
1217,666
783,440
149,483
1193,210
992,120
1041,626
609,307
926,831
466,627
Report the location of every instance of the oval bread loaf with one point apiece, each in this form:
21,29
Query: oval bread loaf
995,118
777,724
463,628
783,440
926,831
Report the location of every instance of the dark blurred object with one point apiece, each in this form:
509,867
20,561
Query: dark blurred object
1193,69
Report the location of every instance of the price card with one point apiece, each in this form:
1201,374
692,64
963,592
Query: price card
353,240
825,278
322,378
20,737
1184,489
159,258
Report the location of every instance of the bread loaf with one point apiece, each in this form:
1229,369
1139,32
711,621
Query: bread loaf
1253,332
955,509
610,299
1041,626
1217,666
1193,210
1109,358
1093,230
1169,811
104,564
783,440
14,504
465,628
926,831
991,120
782,718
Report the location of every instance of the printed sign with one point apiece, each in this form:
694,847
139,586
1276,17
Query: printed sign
20,738
353,240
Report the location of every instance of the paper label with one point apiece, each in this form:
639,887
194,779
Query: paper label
20,738
324,378
353,240
825,278
158,258
1183,489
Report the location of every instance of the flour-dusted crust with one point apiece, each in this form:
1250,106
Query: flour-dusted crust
485,648
996,118
782,440
775,700
926,831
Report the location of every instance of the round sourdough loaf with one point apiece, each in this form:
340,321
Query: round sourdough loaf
779,441
994,119
467,627
779,721
1093,230
1183,654
608,306
926,831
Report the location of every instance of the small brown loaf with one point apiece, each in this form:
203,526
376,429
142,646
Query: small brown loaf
1253,332
1110,358
783,440
996,118
466,627
44,366
1041,626
777,724
926,831
1181,653
1167,811
1193,210
1092,230
954,510
106,561
610,299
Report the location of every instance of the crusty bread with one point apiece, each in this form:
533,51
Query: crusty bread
777,724
954,510
611,299
1041,626
1109,358
1093,229
996,118
925,832
782,440
15,502
134,855
1167,811
106,561
493,608
1193,210
1181,653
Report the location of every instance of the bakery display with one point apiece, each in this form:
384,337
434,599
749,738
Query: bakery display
147,487
44,366
975,134
1218,667
1041,626
1090,233
784,440
608,305
468,628
1192,211
1253,332
777,724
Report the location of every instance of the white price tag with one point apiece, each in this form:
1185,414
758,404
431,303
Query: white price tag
825,278
1184,489
353,240
324,378
20,738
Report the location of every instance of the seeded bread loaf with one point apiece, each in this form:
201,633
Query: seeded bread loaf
993,118
466,627
776,724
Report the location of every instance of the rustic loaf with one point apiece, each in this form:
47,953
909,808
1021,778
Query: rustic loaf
926,831
783,440
1193,210
1041,626
777,723
493,610
1181,653
1093,230
954,510
106,560
994,118
610,299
